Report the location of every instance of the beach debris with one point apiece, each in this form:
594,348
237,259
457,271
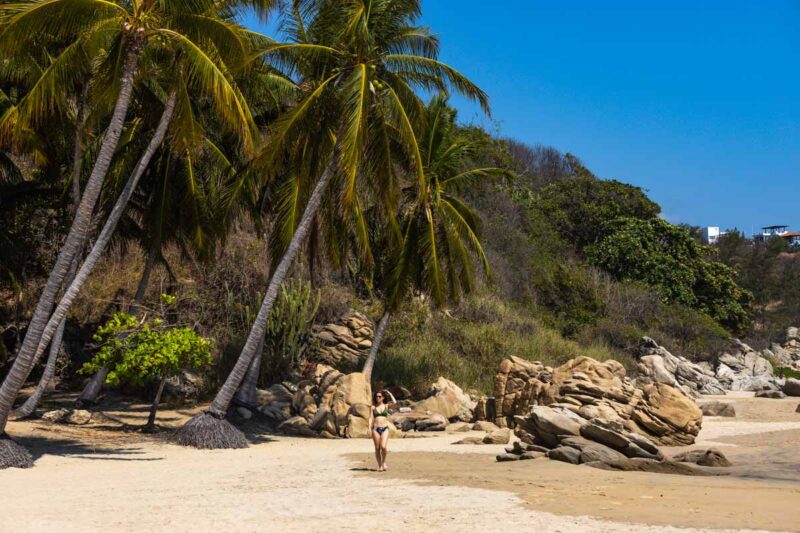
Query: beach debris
76,417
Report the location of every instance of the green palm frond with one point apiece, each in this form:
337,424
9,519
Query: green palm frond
442,77
206,73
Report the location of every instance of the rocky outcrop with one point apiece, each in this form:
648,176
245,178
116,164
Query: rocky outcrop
346,342
412,420
741,368
787,355
445,403
519,384
658,365
553,428
584,389
329,404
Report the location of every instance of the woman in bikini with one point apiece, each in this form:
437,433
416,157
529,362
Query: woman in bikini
379,426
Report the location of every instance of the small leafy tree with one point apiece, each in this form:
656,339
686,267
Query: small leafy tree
140,351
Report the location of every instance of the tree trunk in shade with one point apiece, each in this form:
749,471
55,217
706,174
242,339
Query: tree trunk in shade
31,346
369,364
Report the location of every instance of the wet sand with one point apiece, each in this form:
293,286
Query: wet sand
761,490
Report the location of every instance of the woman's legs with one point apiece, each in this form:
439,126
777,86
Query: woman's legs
376,440
385,447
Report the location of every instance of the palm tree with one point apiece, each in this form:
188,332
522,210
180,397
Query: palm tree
359,62
438,241
205,40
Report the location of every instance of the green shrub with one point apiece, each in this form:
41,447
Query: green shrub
288,337
467,344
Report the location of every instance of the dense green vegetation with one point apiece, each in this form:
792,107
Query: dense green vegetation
770,270
154,147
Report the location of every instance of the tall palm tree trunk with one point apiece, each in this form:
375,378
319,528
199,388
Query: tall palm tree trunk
33,400
103,239
144,281
369,364
246,396
74,242
91,391
209,429
28,408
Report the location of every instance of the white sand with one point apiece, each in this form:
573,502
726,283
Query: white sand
284,485
120,483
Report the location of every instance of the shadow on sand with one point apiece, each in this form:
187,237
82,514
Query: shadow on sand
39,446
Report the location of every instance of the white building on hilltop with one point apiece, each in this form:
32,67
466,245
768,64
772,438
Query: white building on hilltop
710,234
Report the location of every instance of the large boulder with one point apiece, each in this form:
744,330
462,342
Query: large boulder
669,415
277,393
447,399
499,436
771,394
709,457
419,421
717,408
297,426
75,417
791,387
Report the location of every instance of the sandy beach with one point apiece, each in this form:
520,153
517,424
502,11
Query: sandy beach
102,478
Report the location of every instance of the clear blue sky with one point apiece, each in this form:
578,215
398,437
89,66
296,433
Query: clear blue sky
698,102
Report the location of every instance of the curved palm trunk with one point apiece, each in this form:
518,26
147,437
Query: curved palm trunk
75,239
369,364
108,230
144,281
209,429
33,400
246,396
219,407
